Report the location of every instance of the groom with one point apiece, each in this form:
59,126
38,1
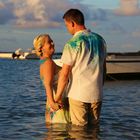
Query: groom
84,63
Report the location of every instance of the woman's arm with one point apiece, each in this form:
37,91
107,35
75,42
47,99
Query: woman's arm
48,75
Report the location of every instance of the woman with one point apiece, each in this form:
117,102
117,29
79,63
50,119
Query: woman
55,112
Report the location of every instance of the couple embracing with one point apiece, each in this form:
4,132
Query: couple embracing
74,91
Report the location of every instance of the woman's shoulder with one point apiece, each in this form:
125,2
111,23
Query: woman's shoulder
47,64
49,61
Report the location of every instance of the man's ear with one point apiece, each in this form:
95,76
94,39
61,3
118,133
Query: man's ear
72,24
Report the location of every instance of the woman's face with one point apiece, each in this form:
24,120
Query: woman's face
48,48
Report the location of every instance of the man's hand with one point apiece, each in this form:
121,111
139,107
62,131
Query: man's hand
55,106
57,99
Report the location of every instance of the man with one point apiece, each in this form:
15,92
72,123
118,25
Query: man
84,64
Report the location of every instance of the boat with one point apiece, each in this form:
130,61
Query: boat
19,54
123,65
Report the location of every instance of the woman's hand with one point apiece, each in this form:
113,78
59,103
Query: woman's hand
58,99
55,106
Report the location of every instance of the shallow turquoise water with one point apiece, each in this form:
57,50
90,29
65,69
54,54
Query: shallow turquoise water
22,108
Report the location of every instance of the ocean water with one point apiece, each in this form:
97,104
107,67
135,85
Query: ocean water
22,108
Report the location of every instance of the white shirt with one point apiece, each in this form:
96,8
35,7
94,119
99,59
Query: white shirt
85,52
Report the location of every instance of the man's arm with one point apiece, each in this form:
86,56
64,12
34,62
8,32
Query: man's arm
62,81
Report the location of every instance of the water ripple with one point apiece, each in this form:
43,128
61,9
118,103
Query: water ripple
22,108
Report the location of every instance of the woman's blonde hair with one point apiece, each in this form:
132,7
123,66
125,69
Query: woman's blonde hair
38,42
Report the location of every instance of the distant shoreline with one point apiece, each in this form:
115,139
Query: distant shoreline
119,65
109,53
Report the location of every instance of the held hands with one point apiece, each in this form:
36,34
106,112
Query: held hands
55,106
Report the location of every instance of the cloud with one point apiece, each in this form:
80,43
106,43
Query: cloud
6,14
36,13
117,28
1,5
136,34
128,8
99,14
127,46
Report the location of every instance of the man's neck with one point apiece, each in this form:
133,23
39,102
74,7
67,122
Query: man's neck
80,28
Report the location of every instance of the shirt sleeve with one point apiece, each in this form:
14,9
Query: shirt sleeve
69,55
105,49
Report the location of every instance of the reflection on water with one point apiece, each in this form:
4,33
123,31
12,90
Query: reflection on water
71,132
22,108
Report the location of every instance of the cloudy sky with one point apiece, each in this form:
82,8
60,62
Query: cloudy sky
118,21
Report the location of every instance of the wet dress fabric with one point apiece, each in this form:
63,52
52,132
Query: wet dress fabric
61,115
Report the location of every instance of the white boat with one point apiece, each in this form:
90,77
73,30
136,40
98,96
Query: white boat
19,54
123,63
